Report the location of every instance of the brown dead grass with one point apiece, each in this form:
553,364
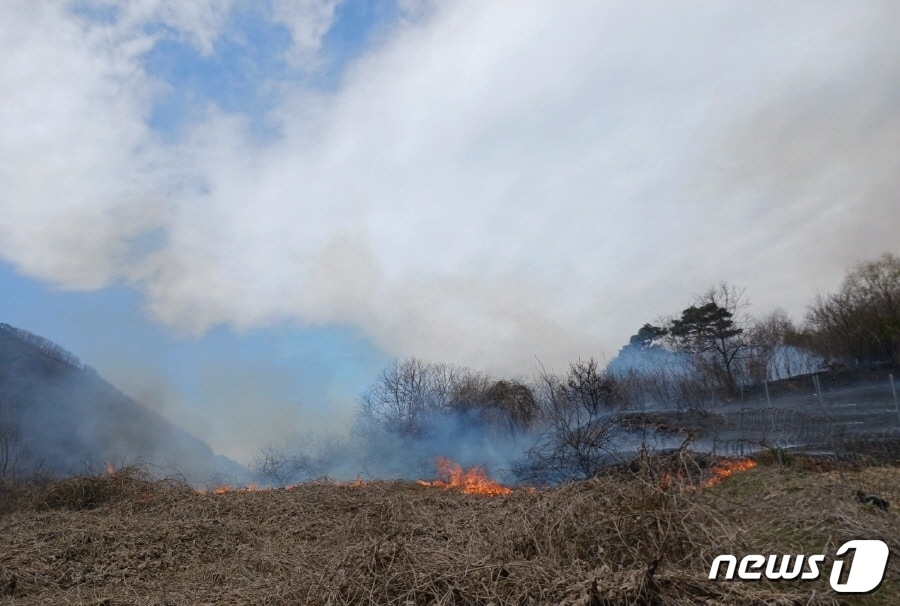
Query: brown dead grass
127,539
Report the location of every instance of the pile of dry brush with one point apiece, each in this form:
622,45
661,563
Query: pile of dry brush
629,538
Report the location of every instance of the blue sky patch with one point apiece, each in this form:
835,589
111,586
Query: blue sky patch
239,76
244,73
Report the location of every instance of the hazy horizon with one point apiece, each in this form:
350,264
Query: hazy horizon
239,213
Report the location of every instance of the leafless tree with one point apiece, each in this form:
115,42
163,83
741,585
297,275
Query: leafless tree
44,346
511,405
11,447
580,423
861,322
406,393
411,393
307,455
780,349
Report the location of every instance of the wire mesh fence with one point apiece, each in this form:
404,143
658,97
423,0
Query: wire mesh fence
850,427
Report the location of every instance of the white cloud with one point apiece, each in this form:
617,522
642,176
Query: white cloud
77,179
200,21
490,184
308,21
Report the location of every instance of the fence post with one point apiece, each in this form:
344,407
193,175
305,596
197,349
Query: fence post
772,423
835,438
896,405
818,387
741,421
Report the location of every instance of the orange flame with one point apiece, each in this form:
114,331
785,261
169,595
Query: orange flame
109,469
725,469
717,472
471,481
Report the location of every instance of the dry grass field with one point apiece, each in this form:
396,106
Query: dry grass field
640,536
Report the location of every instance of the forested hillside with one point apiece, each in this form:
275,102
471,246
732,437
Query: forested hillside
59,417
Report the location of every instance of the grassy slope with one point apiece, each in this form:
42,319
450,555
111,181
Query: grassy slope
128,540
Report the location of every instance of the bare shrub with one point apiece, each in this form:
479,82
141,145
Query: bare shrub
579,420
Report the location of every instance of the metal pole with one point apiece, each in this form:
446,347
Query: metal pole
818,387
741,421
896,405
830,421
772,423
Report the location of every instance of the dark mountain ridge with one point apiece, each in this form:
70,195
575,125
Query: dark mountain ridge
58,416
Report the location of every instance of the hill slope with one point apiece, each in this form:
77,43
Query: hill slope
61,417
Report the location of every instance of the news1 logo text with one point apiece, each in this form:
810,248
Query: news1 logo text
864,575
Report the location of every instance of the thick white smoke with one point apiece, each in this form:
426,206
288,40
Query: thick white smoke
484,184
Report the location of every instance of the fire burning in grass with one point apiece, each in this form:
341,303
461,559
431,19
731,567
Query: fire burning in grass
717,472
725,469
470,481
451,476
475,480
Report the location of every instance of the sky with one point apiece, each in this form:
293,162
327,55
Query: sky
240,212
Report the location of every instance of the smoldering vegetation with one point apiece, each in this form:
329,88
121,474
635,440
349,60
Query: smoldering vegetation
646,534
574,425
413,413
712,377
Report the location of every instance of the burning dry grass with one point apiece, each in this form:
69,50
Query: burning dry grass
614,540
469,481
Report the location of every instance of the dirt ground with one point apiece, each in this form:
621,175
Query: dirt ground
624,539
